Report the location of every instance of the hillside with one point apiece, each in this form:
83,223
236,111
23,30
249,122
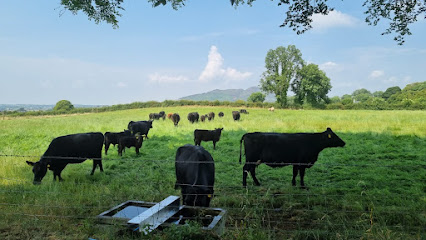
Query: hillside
227,95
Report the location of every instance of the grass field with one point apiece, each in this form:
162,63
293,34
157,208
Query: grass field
373,188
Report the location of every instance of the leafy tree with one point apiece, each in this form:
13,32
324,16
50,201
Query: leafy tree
391,91
361,95
256,97
335,99
378,94
63,105
418,86
400,14
282,66
312,85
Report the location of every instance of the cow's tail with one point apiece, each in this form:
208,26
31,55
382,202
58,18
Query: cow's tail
241,141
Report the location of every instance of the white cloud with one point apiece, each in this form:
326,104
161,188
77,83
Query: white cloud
214,69
328,66
121,84
376,74
156,77
333,19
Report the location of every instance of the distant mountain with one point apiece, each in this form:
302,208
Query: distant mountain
34,107
227,95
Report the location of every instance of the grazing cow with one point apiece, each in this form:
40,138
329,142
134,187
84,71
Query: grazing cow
236,115
141,127
281,149
195,175
75,148
157,116
207,135
162,114
203,118
210,116
271,109
221,114
128,142
112,138
243,111
169,115
175,119
193,117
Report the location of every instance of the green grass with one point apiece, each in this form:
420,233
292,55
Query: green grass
373,188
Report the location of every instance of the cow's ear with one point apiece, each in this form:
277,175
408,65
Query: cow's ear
328,129
30,163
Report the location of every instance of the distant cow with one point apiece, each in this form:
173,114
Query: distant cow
75,148
175,118
169,115
128,142
221,114
193,117
195,175
281,149
157,116
203,118
236,115
210,116
112,138
141,127
243,111
271,109
207,135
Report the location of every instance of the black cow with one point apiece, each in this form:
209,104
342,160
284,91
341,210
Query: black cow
193,117
175,118
203,118
243,111
281,149
141,127
236,115
112,138
210,116
221,114
157,116
207,135
75,148
128,142
194,175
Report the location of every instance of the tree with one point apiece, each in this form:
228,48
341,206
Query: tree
391,91
378,94
399,13
63,105
312,85
361,95
256,97
282,66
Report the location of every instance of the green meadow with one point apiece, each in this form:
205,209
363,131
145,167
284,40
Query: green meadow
373,188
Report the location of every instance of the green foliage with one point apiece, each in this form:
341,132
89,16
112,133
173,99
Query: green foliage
282,66
256,97
391,91
63,106
312,84
378,94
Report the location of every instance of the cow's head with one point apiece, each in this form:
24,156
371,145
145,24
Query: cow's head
39,170
332,139
199,197
219,130
150,123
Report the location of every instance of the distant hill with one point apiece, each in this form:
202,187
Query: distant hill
34,107
227,95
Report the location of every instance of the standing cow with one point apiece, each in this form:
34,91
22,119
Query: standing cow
236,115
128,142
281,149
210,116
175,118
221,114
207,135
195,175
141,127
75,148
113,137
193,117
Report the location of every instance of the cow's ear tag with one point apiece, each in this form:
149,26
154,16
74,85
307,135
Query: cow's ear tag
329,135
48,165
209,195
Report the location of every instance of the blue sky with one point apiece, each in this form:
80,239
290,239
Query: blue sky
159,53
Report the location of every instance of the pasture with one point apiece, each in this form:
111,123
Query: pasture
373,188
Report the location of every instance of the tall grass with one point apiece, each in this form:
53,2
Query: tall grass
373,188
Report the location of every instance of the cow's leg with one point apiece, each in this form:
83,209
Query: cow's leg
214,144
106,148
95,163
295,171
137,150
245,173
302,175
253,175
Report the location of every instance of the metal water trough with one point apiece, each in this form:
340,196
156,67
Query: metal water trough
147,216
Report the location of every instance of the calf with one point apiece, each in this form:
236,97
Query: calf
113,137
210,116
175,118
243,111
74,148
271,109
195,175
169,115
203,118
221,114
236,115
207,135
128,142
282,149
